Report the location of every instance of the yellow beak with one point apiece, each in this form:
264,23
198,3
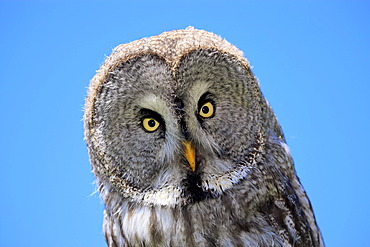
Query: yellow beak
189,153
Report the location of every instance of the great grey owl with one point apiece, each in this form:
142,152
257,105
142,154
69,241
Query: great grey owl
186,151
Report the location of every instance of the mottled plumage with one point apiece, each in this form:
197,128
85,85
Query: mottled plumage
187,152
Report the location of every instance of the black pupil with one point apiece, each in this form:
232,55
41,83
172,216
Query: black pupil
151,123
205,109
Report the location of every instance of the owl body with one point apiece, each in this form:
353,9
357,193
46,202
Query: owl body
187,152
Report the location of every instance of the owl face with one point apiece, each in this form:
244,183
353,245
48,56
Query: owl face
184,131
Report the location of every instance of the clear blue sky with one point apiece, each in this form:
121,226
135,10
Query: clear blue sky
312,59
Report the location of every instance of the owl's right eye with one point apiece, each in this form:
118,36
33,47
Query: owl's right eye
150,124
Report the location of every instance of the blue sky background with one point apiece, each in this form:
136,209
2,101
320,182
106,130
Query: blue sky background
312,59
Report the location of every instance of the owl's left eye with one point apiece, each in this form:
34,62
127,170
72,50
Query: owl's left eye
207,110
150,124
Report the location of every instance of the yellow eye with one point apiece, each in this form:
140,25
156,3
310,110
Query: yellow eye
207,110
150,124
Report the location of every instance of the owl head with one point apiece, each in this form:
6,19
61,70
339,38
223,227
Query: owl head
176,118
186,149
